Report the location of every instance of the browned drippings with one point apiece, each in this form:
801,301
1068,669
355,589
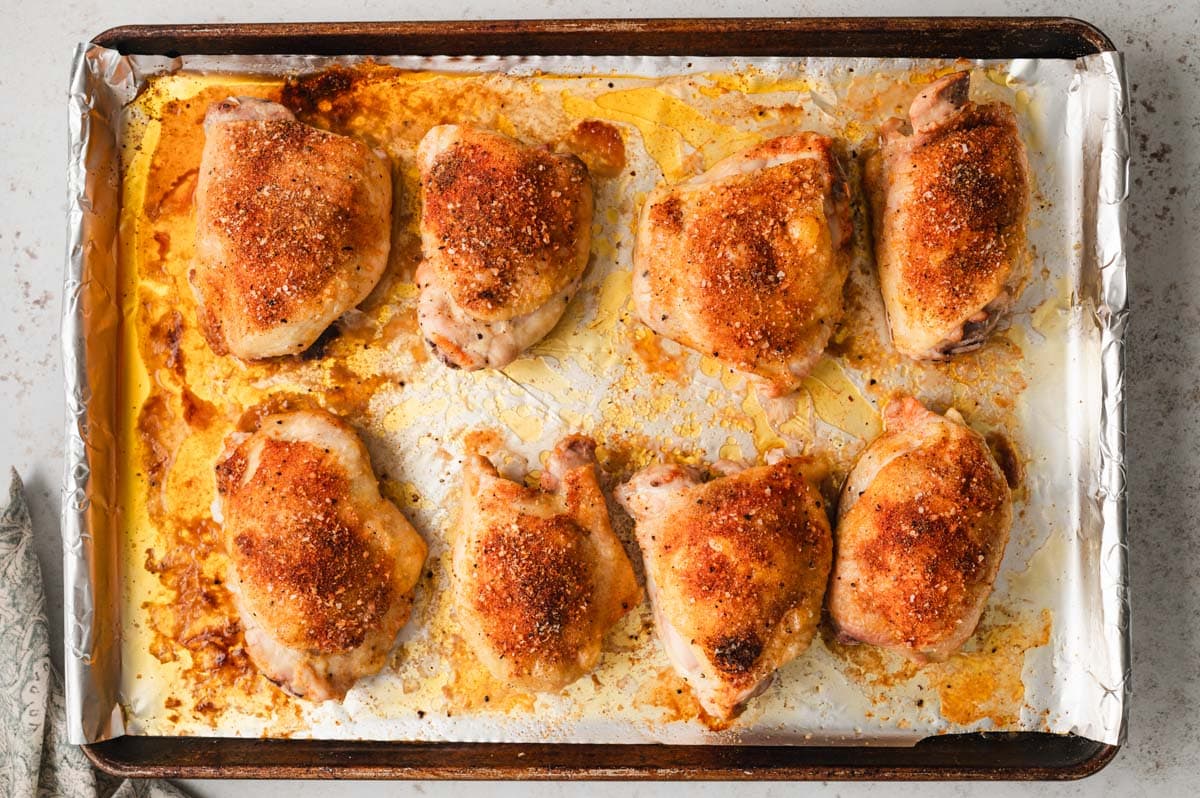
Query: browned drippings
981,681
405,332
349,393
669,692
472,686
201,620
485,441
156,259
647,345
873,668
599,145
177,198
620,457
402,325
160,433
1007,458
161,344
984,681
340,99
316,92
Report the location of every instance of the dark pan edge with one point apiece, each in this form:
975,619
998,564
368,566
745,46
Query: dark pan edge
1024,756
984,37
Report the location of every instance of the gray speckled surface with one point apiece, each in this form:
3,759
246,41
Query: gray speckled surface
1162,46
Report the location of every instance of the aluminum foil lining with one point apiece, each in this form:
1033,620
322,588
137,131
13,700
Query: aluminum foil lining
1108,256
1081,680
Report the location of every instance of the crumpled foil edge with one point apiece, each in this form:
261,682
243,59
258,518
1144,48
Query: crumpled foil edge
101,82
1108,251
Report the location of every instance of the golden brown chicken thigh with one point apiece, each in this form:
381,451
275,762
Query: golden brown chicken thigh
949,200
293,228
747,261
736,569
322,568
506,230
539,575
923,522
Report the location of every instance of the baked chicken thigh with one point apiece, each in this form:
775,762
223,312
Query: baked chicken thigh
506,230
539,575
293,228
922,524
949,195
747,261
736,569
322,568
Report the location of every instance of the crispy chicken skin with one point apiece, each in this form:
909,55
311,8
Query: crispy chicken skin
922,524
949,200
322,568
747,261
539,575
506,231
736,569
293,229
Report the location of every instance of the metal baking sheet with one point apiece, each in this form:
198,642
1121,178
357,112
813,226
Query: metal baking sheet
1067,553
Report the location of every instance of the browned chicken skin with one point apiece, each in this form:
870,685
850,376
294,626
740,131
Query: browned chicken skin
747,261
736,569
293,228
506,233
949,201
539,575
923,522
322,568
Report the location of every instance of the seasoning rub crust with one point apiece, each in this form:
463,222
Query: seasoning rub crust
293,229
322,567
747,261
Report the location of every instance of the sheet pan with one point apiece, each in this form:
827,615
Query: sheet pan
1090,302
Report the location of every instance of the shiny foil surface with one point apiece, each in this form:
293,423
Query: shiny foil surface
152,647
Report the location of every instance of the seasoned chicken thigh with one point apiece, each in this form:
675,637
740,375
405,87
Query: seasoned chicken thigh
747,261
539,575
293,228
949,199
506,231
736,569
322,568
923,522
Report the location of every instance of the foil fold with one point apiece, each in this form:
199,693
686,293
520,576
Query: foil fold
1108,253
100,85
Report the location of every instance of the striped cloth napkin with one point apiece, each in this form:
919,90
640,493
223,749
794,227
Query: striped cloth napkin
35,759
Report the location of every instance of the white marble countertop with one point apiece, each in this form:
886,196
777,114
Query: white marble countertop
1162,46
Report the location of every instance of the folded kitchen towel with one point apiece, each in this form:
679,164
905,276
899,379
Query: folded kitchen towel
35,759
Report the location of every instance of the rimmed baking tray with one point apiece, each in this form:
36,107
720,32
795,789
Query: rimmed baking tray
979,756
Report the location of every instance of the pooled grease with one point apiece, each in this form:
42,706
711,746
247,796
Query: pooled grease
650,399
981,682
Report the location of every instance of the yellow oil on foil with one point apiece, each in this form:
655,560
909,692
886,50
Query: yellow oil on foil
600,372
838,401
